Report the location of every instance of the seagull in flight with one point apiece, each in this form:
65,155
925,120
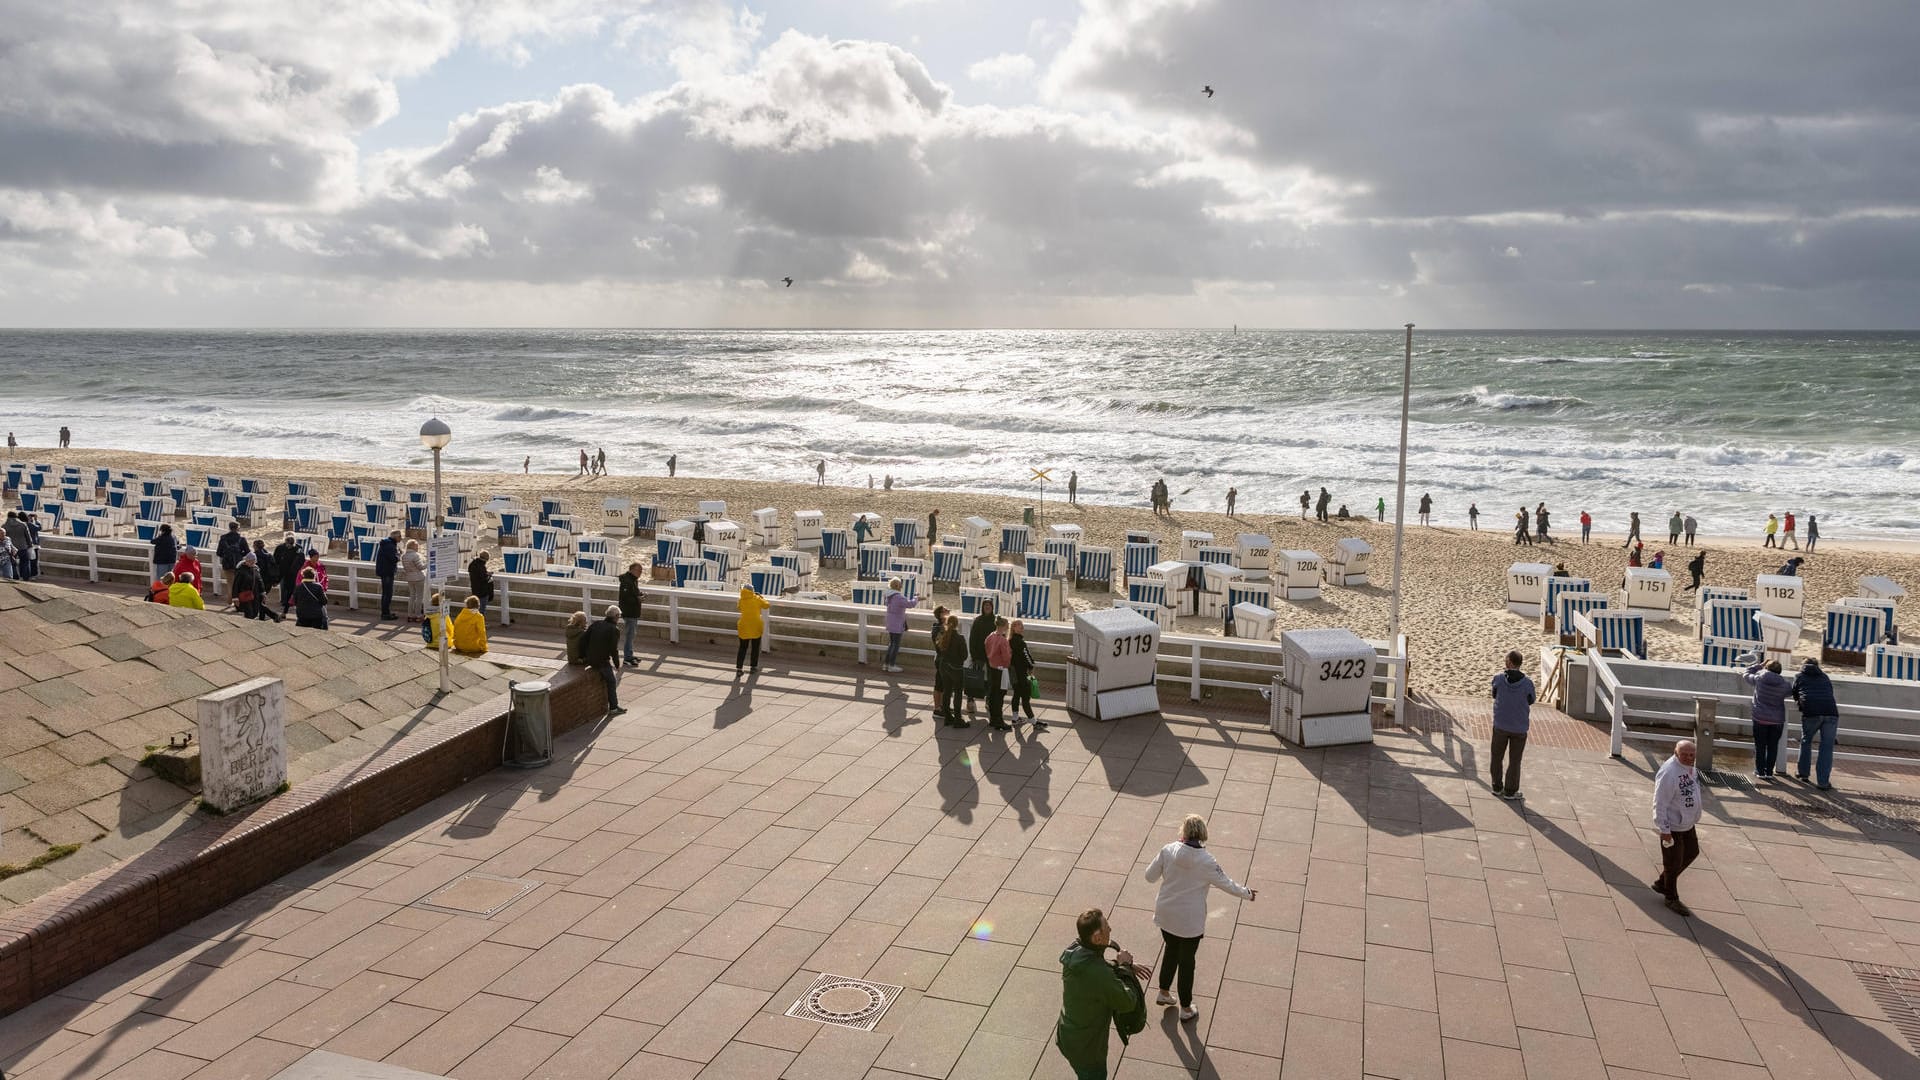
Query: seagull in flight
1207,90
789,282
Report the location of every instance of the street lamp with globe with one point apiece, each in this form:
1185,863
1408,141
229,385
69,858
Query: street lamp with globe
435,435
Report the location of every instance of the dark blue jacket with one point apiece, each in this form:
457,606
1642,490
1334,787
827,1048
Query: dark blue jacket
1814,691
1512,697
386,558
1770,692
165,550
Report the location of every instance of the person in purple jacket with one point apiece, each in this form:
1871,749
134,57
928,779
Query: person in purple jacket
1512,712
897,605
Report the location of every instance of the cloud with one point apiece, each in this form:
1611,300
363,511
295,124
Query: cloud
1004,71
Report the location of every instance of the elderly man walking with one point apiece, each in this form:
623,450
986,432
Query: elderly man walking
1676,810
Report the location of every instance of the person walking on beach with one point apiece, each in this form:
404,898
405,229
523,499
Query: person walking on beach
1813,532
386,567
526,465
1787,533
598,648
896,604
166,551
1819,721
673,463
1022,671
1773,530
1677,799
861,530
951,673
820,473
583,461
1232,494
933,528
1426,507
1092,993
1326,500
1073,488
1770,690
1633,529
1675,525
977,647
66,437
1697,570
751,627
600,460
1540,520
1186,871
631,603
1586,526
1473,515
1521,535
1306,501
1512,715
12,445
1688,527
999,659
413,567
1380,508
480,581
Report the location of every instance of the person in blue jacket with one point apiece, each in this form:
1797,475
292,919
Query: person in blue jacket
386,564
1819,718
1770,690
1512,714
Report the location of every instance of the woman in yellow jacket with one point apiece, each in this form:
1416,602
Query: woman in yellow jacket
470,629
753,625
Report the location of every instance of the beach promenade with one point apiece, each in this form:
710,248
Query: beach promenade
691,867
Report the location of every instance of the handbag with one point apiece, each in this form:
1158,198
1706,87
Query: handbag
1033,686
976,682
244,598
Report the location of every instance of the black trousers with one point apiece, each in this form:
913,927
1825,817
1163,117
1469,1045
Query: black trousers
747,644
1766,747
1179,961
1022,696
1674,859
1512,747
607,675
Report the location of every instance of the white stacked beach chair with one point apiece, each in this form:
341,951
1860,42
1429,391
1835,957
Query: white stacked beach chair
1173,577
1848,633
766,527
807,528
1779,636
1253,622
1191,541
977,536
1095,568
1899,662
616,517
464,531
1781,595
1161,615
1649,592
1253,552
713,509
726,533
1215,581
1527,588
1296,575
1706,596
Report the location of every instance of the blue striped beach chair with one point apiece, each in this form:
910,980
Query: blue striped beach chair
1707,595
1571,604
459,503
152,508
1727,652
70,492
771,582
970,599
388,494
339,525
666,549
868,593
89,526
522,560
251,485
1000,577
906,535
873,561
216,481
1040,599
153,489
910,588
948,566
1618,631
101,478
308,518
1044,564
916,567
1015,539
1214,556
248,503
686,570
419,516
1067,548
31,501
646,518
118,498
599,564
1900,662
15,474
799,562
1848,633
562,570
1147,592
1259,593
1732,620
1884,605
363,530
550,507
833,546
1095,568
595,545
551,540
1139,555
514,525
724,559
1556,586
145,530
37,480
363,548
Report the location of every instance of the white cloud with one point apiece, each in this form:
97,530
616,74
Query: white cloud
1004,71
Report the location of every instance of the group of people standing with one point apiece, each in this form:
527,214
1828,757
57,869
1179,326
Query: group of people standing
988,660
20,546
1779,534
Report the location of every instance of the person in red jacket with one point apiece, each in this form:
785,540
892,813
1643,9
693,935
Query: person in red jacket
161,592
188,563
319,572
1786,529
1586,526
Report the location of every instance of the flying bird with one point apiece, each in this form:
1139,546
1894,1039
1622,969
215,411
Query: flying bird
789,282
1207,90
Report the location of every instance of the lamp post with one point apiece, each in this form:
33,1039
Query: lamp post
435,435
1400,490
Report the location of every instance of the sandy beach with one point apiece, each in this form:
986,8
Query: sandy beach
1454,580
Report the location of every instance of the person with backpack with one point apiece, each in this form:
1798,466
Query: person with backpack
231,549
1095,994
1186,870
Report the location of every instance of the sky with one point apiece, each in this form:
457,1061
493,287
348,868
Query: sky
1455,163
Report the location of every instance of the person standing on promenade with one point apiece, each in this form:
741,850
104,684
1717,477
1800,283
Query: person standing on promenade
1819,720
1586,527
977,645
1813,532
1773,530
820,473
1770,690
951,675
1306,501
751,627
599,647
1677,798
1185,870
1787,533
1512,715
1233,493
896,604
16,530
1022,672
1426,508
166,551
1633,529
386,567
1675,525
673,464
630,606
245,582
1073,488
1697,570
1092,992
999,659
1688,526
286,559
1473,515
413,567
480,581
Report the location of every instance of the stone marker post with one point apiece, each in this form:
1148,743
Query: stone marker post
1706,724
243,743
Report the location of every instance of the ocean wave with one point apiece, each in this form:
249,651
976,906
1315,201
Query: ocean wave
1507,401
535,413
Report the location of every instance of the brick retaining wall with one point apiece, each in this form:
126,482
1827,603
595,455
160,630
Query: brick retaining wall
94,921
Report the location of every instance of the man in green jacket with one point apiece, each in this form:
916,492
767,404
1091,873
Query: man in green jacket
1091,992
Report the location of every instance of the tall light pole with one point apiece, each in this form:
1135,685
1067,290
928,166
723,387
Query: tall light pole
435,435
1400,489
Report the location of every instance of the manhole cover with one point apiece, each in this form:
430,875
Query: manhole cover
476,894
1897,991
845,1002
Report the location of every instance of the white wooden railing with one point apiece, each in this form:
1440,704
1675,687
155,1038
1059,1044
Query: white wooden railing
1200,663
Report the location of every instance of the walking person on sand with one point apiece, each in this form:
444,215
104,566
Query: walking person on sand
1633,529
1813,532
1540,520
820,473
1512,715
1688,527
583,461
1232,494
1473,516
1521,535
1787,535
1306,501
1773,531
1426,507
1185,871
1326,500
673,463
933,528
1586,526
1675,525
1697,570
1073,488
1677,798
526,465
1380,508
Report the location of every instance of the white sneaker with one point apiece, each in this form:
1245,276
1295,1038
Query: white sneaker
1165,998
1189,1014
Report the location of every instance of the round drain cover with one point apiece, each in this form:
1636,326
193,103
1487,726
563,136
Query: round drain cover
846,1002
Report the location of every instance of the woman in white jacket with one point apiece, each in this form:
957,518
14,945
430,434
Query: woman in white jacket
1185,870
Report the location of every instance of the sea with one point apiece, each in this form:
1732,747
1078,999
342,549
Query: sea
1726,426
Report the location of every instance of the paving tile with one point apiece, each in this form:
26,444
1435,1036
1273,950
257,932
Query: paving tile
1333,930
1329,986
1250,1017
510,1055
1402,1043
1399,923
667,990
1480,1061
577,1004
448,1040
464,976
1477,1010
1554,1055
382,1031
1402,977
975,972
1633,1036
1531,942
1547,1000
931,1037
1320,1049
708,1022
1608,970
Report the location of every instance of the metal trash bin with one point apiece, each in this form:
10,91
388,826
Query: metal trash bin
529,739
1026,515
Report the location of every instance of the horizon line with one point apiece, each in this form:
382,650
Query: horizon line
1225,328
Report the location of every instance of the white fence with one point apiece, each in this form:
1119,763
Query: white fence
829,628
